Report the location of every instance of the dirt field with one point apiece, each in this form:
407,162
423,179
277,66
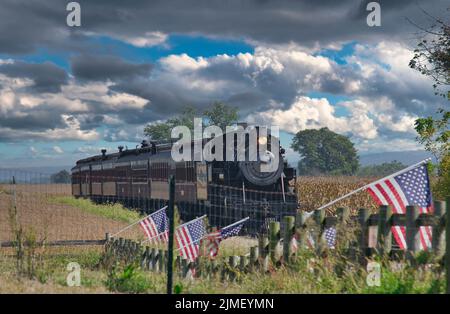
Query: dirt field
52,221
48,220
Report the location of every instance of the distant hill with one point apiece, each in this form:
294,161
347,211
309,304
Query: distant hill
405,157
30,174
38,170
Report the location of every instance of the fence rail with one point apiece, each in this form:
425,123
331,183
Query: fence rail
274,248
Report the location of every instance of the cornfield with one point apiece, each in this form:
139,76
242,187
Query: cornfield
314,192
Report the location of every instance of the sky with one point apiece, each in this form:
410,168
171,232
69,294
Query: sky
66,92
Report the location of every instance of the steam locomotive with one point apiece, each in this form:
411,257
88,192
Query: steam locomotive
226,191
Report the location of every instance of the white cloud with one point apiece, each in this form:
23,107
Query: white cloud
58,150
314,113
269,85
384,144
183,62
149,39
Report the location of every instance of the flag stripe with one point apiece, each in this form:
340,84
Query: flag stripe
398,232
407,188
188,239
144,228
401,203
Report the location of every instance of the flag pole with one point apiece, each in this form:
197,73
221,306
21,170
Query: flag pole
136,222
171,233
149,239
375,182
237,222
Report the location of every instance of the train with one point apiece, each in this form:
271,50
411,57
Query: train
225,190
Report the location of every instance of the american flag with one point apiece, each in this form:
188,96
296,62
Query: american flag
213,239
408,188
188,238
156,226
330,237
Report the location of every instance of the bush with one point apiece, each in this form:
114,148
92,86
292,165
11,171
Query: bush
128,279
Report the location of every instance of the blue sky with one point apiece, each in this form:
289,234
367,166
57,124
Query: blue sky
65,93
194,46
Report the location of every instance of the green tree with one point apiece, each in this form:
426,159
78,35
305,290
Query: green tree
381,170
434,134
61,177
325,152
160,131
220,114
432,58
432,55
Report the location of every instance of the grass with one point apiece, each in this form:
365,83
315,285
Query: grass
333,272
308,273
113,211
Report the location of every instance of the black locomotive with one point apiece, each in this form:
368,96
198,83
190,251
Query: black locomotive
225,191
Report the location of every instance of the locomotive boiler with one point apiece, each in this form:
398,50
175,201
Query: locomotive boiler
224,190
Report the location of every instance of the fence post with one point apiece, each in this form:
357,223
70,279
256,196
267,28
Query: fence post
242,263
178,264
447,243
274,235
263,243
384,230
233,261
438,238
412,231
145,258
120,248
300,233
343,215
253,257
184,268
161,260
319,217
154,259
363,243
288,234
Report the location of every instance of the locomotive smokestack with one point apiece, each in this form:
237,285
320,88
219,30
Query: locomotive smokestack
103,152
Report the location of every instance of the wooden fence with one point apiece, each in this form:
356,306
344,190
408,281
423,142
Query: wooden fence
272,250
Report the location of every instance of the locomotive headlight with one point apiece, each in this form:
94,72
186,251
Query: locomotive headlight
262,140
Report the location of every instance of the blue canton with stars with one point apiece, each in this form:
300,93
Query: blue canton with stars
416,187
231,231
161,221
196,230
330,237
